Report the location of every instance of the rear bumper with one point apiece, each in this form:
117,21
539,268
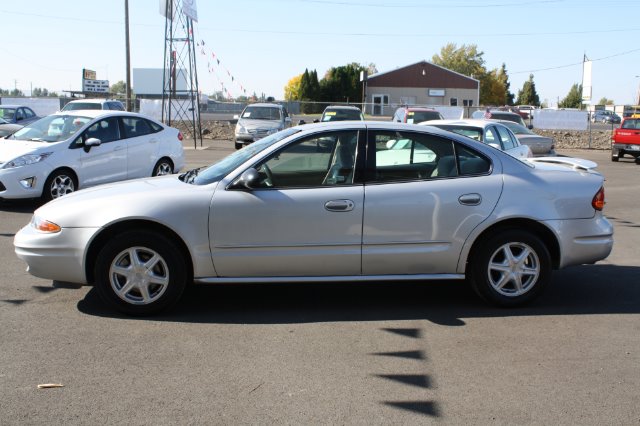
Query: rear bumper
626,148
583,241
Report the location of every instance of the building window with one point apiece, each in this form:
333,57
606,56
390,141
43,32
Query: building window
467,102
453,101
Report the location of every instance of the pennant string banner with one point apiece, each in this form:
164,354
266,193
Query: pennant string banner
212,70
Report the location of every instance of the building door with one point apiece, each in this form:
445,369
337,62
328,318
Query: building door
379,102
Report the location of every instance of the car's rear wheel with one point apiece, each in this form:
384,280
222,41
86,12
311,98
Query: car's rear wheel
59,183
164,166
140,272
510,268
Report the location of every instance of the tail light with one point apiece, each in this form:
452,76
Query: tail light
598,201
180,137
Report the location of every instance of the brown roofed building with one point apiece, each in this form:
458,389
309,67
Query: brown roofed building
423,84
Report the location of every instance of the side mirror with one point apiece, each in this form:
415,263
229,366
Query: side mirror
248,179
301,122
316,120
530,126
90,143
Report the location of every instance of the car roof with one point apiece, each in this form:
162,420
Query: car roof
349,107
95,113
265,104
419,109
471,122
93,101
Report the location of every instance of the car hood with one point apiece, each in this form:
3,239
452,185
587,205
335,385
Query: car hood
163,199
259,124
10,149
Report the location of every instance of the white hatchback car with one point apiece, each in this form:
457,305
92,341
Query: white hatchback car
489,132
67,151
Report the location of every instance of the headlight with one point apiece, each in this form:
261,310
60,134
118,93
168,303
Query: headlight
25,160
240,129
44,225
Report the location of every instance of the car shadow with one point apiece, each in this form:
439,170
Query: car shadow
20,206
580,290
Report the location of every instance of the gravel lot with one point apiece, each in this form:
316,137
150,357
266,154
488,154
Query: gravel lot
565,139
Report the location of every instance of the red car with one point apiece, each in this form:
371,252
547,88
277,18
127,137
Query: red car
626,140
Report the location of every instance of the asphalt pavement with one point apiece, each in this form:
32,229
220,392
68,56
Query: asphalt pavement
362,354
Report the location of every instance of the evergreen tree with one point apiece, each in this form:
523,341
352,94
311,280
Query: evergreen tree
528,94
573,98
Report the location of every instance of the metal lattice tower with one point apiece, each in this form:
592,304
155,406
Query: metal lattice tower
180,100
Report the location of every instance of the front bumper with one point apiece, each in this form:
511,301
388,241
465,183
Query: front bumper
23,182
59,256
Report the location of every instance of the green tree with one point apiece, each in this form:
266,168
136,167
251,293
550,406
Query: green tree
342,84
573,98
504,79
118,88
605,101
492,90
528,94
466,59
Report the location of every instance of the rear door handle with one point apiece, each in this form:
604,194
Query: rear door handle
470,199
339,205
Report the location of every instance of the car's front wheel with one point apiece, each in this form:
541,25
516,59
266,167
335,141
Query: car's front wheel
59,183
140,272
510,268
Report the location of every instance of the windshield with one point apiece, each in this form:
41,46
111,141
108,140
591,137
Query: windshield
261,113
341,114
474,133
7,113
217,171
516,128
53,128
631,124
72,106
415,117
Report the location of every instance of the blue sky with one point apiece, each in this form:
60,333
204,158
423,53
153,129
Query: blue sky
263,44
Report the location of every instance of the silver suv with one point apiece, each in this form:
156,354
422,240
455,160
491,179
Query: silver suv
258,121
110,104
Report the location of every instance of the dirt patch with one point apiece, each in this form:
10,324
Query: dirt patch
571,139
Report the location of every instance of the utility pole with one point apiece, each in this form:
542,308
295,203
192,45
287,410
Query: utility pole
126,32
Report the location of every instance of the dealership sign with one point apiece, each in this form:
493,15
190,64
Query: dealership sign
90,84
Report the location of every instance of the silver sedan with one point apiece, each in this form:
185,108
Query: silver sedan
344,201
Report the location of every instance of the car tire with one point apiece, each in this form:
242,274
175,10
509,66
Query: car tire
510,268
140,273
163,167
59,183
238,145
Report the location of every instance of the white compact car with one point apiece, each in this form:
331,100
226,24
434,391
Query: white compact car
343,201
489,132
67,151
